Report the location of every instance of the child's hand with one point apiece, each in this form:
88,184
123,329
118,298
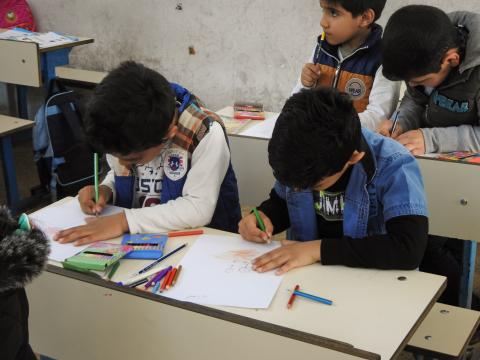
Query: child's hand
86,198
247,227
290,255
385,126
310,75
413,140
96,229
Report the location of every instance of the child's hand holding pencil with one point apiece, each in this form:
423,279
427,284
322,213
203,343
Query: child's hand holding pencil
256,227
86,198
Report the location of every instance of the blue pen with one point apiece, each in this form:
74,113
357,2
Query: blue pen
313,297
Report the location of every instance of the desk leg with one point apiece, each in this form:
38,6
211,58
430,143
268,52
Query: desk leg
9,171
468,273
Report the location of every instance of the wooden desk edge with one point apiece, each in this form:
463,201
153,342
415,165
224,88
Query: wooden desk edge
74,43
421,157
223,315
404,344
17,129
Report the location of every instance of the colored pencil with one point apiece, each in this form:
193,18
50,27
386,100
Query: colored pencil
177,273
157,277
292,297
394,126
170,280
156,287
113,270
95,173
313,297
260,223
165,281
154,263
138,282
185,233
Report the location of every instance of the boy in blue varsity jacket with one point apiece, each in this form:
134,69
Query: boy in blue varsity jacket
349,196
169,159
348,59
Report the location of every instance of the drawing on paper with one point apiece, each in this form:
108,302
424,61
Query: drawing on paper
238,261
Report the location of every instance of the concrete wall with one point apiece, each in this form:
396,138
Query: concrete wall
244,50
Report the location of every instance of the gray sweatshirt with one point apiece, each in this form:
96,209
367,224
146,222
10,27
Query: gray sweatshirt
449,116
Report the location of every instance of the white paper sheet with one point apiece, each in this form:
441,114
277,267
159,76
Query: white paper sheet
217,270
55,218
262,130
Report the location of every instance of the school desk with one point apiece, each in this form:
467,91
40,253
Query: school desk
74,316
24,64
8,126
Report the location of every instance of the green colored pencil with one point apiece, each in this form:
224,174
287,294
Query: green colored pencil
95,174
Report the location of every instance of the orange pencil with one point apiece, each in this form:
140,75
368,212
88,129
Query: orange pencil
165,281
177,274
292,297
185,233
169,283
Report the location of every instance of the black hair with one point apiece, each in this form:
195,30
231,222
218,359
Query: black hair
130,110
358,7
315,135
416,39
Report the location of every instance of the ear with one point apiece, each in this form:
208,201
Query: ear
452,58
367,18
356,157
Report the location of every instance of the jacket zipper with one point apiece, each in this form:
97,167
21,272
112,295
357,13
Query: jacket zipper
339,63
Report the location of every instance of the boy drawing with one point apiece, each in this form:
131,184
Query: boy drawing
349,196
439,59
169,159
349,58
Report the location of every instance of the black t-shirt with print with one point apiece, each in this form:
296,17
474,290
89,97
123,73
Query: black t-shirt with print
328,206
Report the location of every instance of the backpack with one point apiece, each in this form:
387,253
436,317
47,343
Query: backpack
63,158
16,13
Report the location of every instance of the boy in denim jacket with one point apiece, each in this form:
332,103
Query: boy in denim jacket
349,196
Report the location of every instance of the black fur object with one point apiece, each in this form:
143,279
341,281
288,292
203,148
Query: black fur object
23,255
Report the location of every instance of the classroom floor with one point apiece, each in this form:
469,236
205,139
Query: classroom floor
27,178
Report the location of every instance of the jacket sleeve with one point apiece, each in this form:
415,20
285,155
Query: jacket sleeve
196,206
402,247
454,138
382,102
410,112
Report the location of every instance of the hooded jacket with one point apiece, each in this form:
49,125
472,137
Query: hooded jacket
23,255
449,116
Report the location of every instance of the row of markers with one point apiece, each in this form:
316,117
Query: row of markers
169,276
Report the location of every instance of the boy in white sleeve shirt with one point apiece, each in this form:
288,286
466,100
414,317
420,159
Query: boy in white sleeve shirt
169,159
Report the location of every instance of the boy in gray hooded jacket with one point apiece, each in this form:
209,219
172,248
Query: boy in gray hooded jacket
439,59
438,56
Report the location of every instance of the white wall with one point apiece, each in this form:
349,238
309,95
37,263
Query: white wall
250,50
